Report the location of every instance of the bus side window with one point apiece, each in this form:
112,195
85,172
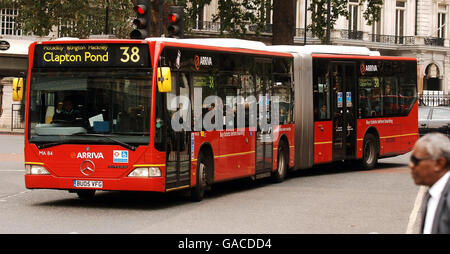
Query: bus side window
322,92
390,96
407,87
283,89
369,97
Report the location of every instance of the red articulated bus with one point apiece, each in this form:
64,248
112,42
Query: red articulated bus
166,114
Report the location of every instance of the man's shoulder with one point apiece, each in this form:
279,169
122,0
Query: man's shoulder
446,192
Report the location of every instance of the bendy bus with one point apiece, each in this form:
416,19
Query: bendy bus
165,114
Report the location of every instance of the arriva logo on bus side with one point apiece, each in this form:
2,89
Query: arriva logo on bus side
368,68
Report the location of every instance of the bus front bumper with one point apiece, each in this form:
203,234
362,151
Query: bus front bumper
156,184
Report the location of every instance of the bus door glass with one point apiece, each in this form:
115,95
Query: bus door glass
264,133
343,78
178,132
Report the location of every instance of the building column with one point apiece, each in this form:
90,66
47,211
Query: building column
5,118
446,71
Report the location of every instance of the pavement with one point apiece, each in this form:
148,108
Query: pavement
12,132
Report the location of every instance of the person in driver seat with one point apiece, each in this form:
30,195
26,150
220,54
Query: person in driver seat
65,111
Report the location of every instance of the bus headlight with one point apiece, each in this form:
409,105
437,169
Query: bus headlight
145,172
35,170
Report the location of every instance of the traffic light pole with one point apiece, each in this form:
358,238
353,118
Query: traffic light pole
328,22
107,17
161,32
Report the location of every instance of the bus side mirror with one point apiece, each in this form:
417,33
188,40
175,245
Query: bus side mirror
17,89
164,80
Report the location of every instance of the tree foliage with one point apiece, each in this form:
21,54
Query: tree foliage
318,9
235,17
79,18
372,13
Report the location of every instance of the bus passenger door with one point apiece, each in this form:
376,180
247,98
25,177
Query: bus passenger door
178,159
343,78
264,142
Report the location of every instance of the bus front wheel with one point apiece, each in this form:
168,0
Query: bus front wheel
203,167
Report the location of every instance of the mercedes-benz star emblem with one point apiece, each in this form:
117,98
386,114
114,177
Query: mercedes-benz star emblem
87,167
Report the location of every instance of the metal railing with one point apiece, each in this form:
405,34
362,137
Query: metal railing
434,41
434,100
393,39
351,34
17,121
209,26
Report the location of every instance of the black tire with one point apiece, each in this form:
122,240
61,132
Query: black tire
203,169
282,164
370,152
85,194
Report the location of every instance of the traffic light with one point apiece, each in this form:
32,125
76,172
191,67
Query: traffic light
142,22
176,23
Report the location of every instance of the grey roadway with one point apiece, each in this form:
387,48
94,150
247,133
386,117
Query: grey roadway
328,199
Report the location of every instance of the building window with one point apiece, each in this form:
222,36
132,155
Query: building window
376,31
65,28
442,14
7,24
400,20
353,15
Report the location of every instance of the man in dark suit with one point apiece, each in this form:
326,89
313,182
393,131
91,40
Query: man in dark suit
430,164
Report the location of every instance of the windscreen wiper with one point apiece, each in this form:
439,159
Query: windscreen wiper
47,145
123,144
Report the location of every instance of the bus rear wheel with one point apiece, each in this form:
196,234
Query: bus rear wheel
370,152
282,163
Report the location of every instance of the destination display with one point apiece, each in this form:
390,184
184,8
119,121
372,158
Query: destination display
89,55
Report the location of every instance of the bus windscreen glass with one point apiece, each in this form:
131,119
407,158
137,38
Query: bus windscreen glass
80,106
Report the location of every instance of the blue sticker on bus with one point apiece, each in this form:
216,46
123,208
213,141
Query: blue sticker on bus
120,156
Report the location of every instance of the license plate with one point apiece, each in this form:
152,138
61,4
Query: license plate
87,184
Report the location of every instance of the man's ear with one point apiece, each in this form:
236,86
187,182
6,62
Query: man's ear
441,164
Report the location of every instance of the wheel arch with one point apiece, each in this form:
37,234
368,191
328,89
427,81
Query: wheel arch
372,130
206,149
284,139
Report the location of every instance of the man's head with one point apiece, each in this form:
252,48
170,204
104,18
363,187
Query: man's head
430,159
67,104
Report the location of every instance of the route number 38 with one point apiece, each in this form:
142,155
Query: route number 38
126,56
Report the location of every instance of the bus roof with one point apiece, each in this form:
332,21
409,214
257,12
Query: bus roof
217,42
326,49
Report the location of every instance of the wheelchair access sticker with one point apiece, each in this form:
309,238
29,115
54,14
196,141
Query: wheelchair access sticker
120,156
